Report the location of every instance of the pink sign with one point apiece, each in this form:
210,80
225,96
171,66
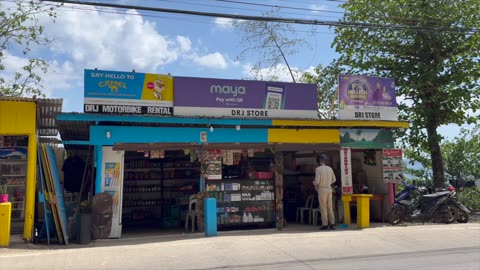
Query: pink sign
346,168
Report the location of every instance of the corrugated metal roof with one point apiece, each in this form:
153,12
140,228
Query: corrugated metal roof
47,109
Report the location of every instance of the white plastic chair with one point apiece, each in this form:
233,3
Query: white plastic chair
308,207
192,212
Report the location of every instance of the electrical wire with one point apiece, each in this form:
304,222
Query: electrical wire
110,11
275,6
256,10
279,19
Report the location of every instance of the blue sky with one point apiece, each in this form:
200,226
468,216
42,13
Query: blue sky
87,37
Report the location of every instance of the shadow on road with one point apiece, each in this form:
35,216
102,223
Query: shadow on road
159,236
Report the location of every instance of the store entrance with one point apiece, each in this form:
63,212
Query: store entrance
156,190
299,191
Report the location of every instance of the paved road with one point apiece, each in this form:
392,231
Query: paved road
455,246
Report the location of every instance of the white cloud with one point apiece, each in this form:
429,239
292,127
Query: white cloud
213,60
110,40
280,72
185,43
224,23
317,8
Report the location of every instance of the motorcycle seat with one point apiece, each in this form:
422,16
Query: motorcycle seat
437,194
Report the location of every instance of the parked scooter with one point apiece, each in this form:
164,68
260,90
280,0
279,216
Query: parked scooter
413,203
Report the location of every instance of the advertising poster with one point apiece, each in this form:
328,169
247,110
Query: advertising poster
346,168
127,93
366,98
366,138
112,182
244,98
392,165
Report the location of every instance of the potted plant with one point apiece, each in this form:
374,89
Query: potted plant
3,192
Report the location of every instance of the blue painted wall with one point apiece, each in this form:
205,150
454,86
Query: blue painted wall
127,134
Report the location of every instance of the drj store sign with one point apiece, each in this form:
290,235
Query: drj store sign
366,98
244,99
127,93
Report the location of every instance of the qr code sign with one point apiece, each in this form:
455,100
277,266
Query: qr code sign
273,103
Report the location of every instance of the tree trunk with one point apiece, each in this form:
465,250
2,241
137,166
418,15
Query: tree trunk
436,154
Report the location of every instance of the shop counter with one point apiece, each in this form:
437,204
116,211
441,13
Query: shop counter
363,207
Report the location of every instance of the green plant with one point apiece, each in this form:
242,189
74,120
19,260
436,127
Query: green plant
470,197
3,187
86,206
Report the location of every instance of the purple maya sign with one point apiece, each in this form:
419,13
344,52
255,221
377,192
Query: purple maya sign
243,98
366,98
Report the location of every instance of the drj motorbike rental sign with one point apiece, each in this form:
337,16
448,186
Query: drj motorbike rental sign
346,168
392,165
128,93
244,99
366,98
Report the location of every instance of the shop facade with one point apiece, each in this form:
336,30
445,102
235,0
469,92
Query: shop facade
159,140
23,123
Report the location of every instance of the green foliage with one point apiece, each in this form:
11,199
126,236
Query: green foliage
470,197
3,186
431,49
462,155
326,79
20,28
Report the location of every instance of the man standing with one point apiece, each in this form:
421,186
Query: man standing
324,178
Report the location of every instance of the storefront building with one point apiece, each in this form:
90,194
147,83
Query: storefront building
159,140
23,122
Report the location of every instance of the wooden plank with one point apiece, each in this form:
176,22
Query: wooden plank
59,202
51,194
43,193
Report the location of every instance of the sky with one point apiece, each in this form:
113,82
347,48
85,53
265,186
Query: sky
88,37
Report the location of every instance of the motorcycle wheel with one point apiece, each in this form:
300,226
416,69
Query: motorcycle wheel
395,215
448,214
462,217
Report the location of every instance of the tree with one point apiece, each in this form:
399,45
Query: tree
462,155
20,29
272,42
431,49
326,79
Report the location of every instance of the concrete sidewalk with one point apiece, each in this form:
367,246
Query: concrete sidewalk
298,247
16,242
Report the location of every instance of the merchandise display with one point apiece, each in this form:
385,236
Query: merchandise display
246,193
13,173
156,190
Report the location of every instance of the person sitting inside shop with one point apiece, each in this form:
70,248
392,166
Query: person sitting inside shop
324,179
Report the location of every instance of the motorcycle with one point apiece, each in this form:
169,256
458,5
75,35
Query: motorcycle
413,203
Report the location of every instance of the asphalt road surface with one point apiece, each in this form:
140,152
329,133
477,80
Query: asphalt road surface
430,246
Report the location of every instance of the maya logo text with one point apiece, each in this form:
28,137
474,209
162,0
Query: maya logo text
228,89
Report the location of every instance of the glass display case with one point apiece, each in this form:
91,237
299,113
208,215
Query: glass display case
13,175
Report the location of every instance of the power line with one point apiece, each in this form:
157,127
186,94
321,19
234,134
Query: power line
110,11
271,19
276,6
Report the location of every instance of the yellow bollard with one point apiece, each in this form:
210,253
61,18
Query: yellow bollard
363,210
346,208
5,218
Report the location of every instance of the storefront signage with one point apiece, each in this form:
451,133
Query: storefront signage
112,183
203,137
244,99
366,138
128,93
392,166
367,98
346,168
